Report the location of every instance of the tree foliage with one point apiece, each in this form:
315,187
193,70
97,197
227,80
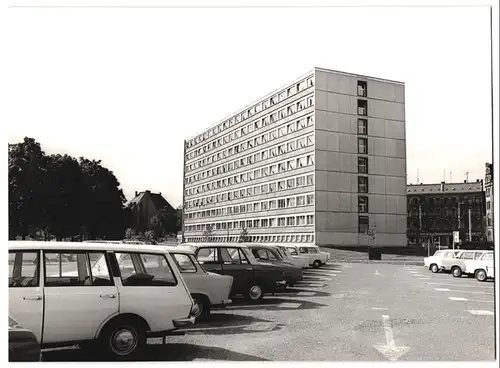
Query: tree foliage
244,238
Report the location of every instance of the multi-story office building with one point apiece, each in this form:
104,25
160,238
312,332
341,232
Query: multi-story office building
435,211
319,160
488,188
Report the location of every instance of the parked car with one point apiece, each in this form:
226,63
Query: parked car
23,345
250,278
271,254
484,268
464,263
317,258
114,296
291,254
207,289
478,264
434,262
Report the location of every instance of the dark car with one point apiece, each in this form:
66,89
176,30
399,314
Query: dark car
266,254
23,345
250,278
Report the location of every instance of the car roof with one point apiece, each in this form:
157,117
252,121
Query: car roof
103,246
209,245
176,249
258,245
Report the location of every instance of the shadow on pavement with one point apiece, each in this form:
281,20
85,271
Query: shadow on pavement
168,352
279,303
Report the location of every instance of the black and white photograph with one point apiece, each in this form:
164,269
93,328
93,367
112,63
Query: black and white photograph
248,181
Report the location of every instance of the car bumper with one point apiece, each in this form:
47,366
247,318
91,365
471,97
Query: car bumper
183,322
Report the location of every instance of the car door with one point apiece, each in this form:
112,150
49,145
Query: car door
209,258
26,290
152,287
79,292
236,264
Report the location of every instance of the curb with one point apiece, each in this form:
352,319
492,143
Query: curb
389,261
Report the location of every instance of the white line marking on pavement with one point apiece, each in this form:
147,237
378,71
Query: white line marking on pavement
463,291
311,278
424,278
414,272
458,285
289,305
481,312
310,286
380,309
469,300
418,274
377,273
390,350
306,293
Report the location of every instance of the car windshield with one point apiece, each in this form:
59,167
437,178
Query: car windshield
438,253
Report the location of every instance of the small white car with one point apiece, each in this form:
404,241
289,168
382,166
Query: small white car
316,257
481,268
466,263
108,296
207,289
434,262
291,253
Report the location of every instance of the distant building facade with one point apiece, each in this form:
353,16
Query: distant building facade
488,188
319,160
144,206
435,211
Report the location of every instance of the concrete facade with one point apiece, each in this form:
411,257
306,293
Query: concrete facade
488,188
286,167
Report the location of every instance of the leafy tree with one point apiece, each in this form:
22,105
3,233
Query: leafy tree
150,237
27,176
129,233
63,189
243,236
208,233
102,210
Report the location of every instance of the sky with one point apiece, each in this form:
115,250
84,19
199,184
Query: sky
127,86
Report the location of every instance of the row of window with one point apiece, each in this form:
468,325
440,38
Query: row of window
249,112
254,141
279,221
274,151
297,238
275,186
363,223
286,202
277,168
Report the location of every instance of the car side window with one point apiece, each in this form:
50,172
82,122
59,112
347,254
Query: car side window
67,269
243,257
478,255
272,256
184,263
468,255
23,269
148,270
260,254
303,250
487,257
99,270
313,250
293,251
208,256
449,255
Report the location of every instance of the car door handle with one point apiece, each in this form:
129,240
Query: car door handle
248,269
37,297
109,296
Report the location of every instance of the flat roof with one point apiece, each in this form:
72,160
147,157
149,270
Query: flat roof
357,75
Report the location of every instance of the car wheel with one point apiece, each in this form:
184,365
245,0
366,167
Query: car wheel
203,310
255,293
481,275
434,268
456,271
317,264
123,338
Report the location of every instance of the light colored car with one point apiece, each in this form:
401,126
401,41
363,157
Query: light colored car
291,253
114,296
207,289
466,263
317,258
481,268
435,262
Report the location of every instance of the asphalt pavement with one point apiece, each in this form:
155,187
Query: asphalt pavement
345,312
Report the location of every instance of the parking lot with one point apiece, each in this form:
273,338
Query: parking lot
344,312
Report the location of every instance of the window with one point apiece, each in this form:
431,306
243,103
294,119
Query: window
487,257
363,224
362,107
290,146
272,222
264,223
256,223
209,255
272,205
290,202
301,200
281,203
363,165
184,262
281,185
24,269
310,179
301,181
233,256
362,126
363,146
290,183
310,199
362,88
272,187
301,220
290,221
362,184
363,204
281,221
143,269
310,219
264,205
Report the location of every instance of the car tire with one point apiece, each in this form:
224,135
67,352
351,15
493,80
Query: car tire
203,305
254,293
123,338
481,275
434,268
316,264
456,271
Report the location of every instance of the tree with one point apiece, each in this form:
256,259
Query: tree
243,236
27,176
207,234
63,190
103,215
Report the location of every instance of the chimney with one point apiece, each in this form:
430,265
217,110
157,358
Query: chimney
148,191
136,193
159,193
465,181
442,186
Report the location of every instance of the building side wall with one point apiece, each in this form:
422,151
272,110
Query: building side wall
336,148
